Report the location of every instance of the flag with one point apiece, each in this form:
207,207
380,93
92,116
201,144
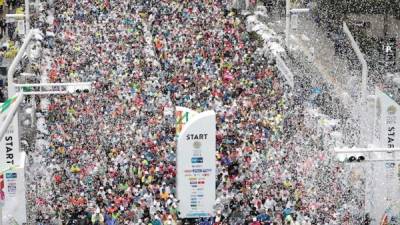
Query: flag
384,220
7,103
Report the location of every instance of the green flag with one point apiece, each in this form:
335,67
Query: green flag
7,103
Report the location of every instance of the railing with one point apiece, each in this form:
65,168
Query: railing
284,70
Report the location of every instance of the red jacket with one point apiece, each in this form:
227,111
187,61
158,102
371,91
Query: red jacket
255,223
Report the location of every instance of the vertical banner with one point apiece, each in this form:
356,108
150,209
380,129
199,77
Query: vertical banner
389,119
13,179
371,121
21,27
387,128
295,21
388,52
15,202
196,166
398,52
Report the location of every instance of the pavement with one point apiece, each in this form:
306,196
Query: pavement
313,44
312,54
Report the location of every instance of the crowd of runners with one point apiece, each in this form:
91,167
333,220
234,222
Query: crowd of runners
110,157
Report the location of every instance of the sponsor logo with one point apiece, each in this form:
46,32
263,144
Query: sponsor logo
197,166
391,110
181,119
197,160
11,175
2,194
390,165
199,214
196,144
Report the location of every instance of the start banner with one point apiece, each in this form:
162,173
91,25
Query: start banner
12,184
388,121
196,166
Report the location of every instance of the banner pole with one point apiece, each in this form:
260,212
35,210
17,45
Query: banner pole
287,25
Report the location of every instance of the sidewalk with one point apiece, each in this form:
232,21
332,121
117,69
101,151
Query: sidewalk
312,42
313,62
38,177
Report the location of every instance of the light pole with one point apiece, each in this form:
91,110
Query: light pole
27,17
363,102
287,33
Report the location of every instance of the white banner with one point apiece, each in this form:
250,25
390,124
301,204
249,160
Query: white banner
388,121
21,27
295,21
196,166
13,186
382,190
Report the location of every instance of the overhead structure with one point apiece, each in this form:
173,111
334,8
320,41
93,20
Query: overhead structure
368,154
32,34
364,80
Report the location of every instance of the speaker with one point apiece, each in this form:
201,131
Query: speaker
3,70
